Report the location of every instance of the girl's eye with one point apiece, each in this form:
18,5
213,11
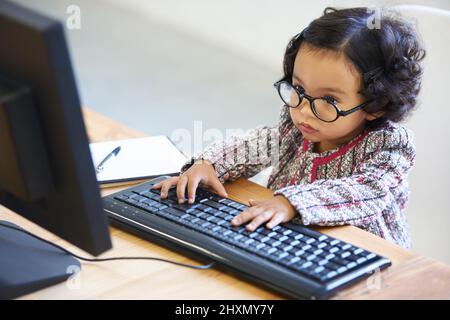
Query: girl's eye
332,99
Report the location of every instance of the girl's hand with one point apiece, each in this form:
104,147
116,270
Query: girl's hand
275,211
201,171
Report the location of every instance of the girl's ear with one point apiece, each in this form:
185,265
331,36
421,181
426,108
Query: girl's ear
373,116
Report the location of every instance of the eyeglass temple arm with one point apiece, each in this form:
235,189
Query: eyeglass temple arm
360,106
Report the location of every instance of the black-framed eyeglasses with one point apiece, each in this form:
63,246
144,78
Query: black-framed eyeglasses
324,108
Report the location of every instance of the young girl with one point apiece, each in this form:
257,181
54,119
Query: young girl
341,157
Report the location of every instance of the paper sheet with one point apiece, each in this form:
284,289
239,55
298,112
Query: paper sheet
138,158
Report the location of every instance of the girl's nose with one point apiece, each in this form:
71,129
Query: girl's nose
305,108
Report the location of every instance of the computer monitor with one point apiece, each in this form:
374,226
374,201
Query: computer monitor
46,169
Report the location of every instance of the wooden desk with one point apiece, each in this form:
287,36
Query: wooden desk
411,276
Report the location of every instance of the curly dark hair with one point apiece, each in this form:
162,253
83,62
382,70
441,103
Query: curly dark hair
388,55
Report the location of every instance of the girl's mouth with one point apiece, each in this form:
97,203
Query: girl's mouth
305,128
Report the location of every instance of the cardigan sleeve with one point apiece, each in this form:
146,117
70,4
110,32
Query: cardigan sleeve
246,155
361,197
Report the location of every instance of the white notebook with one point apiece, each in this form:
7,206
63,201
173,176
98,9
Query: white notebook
138,159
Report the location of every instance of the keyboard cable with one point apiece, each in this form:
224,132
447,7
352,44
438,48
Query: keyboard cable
200,267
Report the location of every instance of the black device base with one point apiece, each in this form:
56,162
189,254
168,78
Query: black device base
28,264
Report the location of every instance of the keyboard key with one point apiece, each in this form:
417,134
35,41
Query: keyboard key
341,269
339,261
319,269
227,232
279,237
215,220
249,241
361,260
271,250
318,251
195,220
217,198
130,195
276,228
276,243
254,235
322,245
270,242
206,209
260,245
294,260
265,239
140,198
332,266
174,212
282,255
239,229
370,256
185,216
214,212
306,247
205,224
330,256
299,253
323,262
200,214
334,250
230,210
334,242
235,205
181,207
311,257
222,222
346,246
264,231
214,204
238,236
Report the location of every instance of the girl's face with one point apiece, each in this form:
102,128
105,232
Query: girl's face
326,73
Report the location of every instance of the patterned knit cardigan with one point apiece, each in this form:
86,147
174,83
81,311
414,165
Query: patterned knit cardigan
362,183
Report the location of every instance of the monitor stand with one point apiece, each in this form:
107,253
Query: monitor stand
28,264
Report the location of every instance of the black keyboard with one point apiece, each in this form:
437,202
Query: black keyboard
290,258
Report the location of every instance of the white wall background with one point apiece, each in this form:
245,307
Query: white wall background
259,29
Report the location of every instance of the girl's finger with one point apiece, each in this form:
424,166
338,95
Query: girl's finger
166,185
218,187
246,216
181,188
192,186
157,185
260,219
254,202
277,218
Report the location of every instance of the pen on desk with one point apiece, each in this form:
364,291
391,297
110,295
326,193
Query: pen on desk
102,163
